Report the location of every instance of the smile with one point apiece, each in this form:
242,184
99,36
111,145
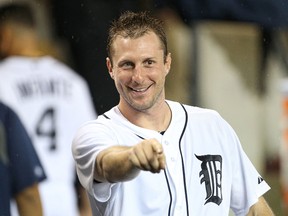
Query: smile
140,89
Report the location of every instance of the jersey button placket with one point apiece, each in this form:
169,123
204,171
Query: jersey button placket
169,150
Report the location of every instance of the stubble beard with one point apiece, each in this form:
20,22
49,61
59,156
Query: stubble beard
146,105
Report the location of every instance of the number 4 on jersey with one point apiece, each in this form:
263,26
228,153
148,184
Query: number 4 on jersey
46,127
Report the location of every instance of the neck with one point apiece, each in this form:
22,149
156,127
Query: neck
30,49
23,42
157,118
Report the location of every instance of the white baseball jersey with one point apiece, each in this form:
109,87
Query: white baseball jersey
207,172
52,102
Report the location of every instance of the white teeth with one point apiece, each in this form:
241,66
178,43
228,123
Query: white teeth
139,90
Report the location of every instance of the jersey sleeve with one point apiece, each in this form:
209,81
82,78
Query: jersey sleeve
247,183
26,168
91,138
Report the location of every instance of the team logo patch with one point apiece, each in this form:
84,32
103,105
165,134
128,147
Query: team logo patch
211,175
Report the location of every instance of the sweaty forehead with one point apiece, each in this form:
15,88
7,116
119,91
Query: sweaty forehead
148,41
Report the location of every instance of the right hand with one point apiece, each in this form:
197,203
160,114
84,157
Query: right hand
148,155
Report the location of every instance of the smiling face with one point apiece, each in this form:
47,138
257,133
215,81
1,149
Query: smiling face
139,70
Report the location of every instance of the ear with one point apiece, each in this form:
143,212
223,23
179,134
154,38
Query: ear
110,67
168,63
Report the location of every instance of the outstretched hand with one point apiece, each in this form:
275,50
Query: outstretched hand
148,155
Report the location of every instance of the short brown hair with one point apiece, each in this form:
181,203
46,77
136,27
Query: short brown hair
134,25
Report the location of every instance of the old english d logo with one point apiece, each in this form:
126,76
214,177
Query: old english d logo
211,173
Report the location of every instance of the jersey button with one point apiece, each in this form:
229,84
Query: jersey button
173,159
166,142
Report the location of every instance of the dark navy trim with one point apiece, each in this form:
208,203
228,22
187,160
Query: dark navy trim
182,160
106,116
139,136
170,194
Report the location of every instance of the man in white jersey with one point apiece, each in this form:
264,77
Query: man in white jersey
52,102
152,156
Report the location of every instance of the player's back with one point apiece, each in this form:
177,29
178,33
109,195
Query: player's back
52,101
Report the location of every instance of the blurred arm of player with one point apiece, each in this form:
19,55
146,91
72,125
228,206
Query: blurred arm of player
122,163
29,202
260,208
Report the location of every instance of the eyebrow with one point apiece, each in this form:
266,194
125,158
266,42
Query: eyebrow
128,60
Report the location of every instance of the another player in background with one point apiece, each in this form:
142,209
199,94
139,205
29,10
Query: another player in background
52,102
152,156
20,168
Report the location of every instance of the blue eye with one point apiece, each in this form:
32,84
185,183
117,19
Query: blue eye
127,65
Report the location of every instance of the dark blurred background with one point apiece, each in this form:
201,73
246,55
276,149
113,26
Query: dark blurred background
228,55
83,25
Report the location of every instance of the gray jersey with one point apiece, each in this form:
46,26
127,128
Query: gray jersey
52,102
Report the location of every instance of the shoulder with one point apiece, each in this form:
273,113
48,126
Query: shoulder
194,111
198,117
7,114
3,110
19,145
48,61
101,124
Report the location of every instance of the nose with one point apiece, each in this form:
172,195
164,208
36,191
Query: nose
138,74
